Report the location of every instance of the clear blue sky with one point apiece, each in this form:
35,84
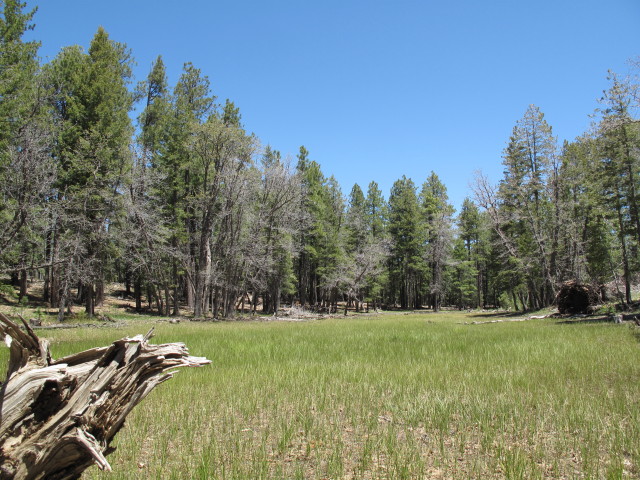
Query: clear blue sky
376,89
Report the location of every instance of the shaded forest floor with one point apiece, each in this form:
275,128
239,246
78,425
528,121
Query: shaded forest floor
119,307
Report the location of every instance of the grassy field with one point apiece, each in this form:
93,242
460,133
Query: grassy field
397,396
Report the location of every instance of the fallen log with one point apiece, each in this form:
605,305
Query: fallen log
58,417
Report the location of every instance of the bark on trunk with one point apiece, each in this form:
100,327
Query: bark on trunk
99,293
59,417
137,293
23,284
90,306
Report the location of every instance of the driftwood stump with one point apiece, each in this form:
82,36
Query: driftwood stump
57,418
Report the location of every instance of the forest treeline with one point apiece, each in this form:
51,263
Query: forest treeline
189,210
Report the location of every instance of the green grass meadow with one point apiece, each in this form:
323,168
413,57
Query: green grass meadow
389,397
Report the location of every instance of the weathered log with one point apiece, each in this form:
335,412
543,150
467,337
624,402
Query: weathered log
59,417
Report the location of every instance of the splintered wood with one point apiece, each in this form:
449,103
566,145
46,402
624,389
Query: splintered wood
58,417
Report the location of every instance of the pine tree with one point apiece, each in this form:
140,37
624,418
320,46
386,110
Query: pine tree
376,211
191,105
619,138
149,259
18,67
92,104
319,240
470,252
376,219
585,244
312,232
437,213
355,220
26,170
365,254
461,278
407,266
529,231
154,119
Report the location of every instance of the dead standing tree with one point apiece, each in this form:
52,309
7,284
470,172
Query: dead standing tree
58,417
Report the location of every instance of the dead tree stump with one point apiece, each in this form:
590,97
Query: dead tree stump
59,417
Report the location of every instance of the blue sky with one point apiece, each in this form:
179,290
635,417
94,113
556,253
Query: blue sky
376,89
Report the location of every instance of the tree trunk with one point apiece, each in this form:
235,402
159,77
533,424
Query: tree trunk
99,295
266,302
137,293
167,300
515,300
127,281
54,273
150,296
64,298
215,307
276,300
623,245
59,417
23,284
90,306
175,279
190,294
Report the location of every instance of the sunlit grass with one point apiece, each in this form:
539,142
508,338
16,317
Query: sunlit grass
398,396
